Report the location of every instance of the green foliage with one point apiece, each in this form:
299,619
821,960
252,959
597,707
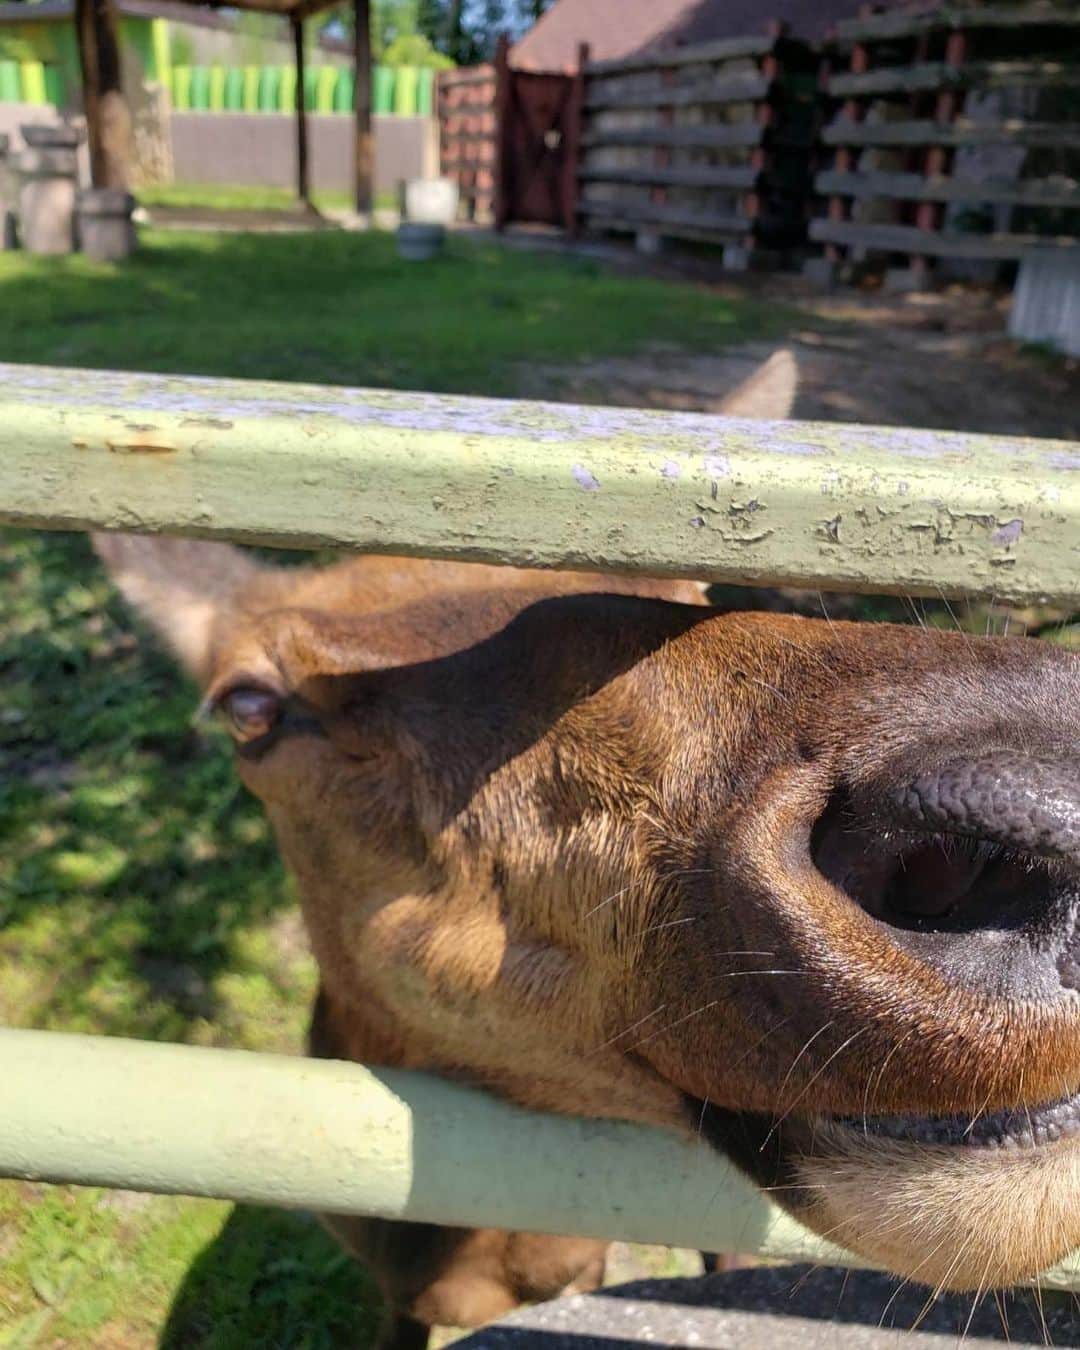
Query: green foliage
413,49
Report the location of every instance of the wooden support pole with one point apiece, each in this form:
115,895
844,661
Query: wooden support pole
504,165
302,185
108,119
571,185
364,149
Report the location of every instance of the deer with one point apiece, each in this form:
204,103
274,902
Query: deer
807,888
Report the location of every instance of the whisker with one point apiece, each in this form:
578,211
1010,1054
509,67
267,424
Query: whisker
627,1030
668,923
838,1051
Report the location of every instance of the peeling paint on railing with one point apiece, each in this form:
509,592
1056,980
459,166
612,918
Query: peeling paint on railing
542,484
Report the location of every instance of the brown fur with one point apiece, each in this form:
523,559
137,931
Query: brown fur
535,829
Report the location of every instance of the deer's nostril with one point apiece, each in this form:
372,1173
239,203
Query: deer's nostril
938,882
932,881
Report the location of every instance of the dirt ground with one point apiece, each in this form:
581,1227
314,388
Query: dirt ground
940,360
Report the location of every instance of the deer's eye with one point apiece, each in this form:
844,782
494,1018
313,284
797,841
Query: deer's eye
250,713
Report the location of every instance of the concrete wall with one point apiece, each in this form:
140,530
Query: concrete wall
259,149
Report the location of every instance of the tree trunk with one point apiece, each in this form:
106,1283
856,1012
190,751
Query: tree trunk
108,119
303,190
364,146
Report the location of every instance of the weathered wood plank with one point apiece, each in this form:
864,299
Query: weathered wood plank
737,177
628,215
687,233
961,132
470,137
456,79
915,188
932,243
932,75
658,493
703,53
871,27
713,136
746,88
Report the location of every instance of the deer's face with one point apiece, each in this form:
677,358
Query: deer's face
811,888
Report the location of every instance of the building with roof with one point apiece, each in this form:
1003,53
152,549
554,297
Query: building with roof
615,29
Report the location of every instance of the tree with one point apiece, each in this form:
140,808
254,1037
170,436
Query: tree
108,118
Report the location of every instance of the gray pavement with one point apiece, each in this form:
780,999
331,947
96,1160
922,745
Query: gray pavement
780,1308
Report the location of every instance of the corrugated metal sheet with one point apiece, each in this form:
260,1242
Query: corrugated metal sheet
1046,304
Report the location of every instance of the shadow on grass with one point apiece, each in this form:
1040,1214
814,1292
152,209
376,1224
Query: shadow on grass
273,1281
137,878
341,308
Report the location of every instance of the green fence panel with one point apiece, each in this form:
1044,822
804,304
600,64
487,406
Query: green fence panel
10,83
324,89
382,90
288,89
54,86
425,92
251,89
234,89
217,89
182,88
33,82
200,88
269,88
405,83
343,91
311,76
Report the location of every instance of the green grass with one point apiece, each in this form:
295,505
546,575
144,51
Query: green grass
140,893
225,197
342,308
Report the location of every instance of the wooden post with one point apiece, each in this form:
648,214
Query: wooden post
302,186
364,151
845,158
503,152
108,119
572,144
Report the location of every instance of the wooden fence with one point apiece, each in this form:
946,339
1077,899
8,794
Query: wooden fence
948,134
467,135
708,143
948,126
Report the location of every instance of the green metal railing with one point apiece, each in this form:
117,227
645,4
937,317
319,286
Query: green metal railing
888,509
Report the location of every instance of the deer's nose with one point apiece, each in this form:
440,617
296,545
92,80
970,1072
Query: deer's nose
977,862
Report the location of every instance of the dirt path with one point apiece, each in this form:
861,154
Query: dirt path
932,361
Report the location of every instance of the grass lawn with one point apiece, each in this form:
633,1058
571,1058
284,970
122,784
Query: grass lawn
342,308
139,890
224,197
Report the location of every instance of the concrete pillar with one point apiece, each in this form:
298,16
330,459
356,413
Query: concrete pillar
106,230
48,171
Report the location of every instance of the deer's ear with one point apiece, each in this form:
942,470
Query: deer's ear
769,392
182,587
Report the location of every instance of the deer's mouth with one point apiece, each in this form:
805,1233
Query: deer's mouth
1014,1128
